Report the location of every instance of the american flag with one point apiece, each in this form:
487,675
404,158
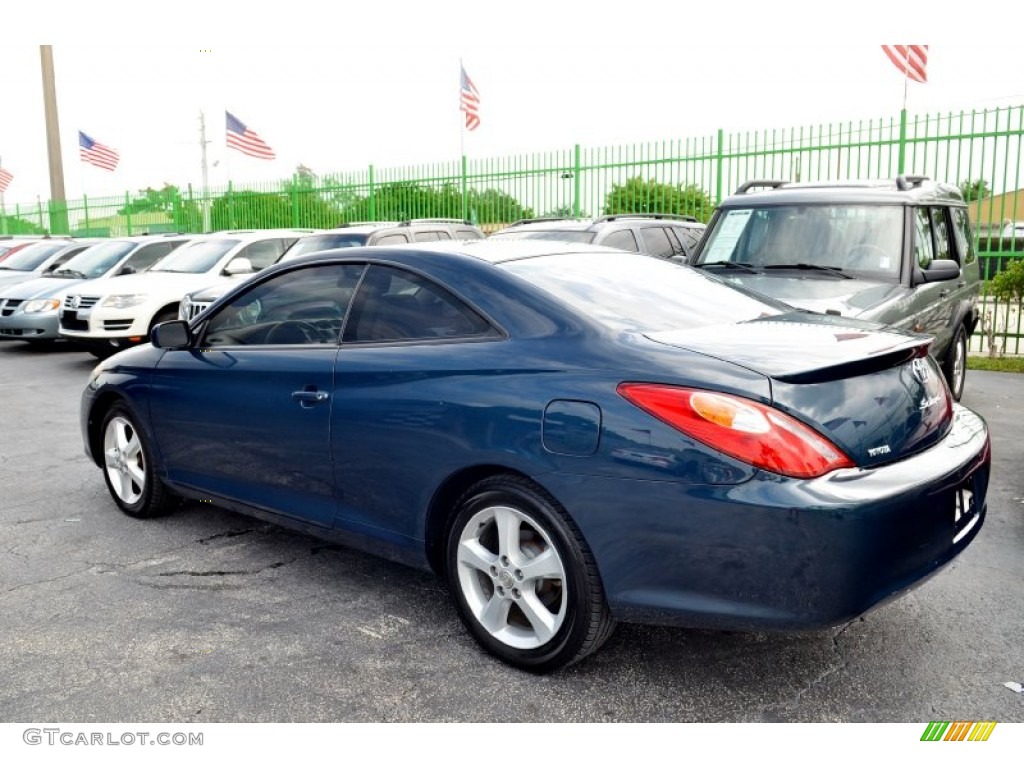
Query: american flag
246,140
100,155
5,179
911,60
470,101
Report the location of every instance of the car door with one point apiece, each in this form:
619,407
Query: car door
245,414
933,303
395,431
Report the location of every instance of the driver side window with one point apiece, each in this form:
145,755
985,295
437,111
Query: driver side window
304,306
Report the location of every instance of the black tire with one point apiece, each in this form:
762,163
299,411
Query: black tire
129,468
102,353
954,367
565,596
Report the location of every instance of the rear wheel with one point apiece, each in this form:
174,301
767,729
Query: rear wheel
523,580
955,365
129,468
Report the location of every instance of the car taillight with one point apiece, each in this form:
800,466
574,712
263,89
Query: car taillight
744,429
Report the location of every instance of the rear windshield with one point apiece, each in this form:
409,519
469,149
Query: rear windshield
196,257
641,293
324,243
31,256
563,235
97,260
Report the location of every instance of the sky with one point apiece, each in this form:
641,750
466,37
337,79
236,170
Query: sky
337,89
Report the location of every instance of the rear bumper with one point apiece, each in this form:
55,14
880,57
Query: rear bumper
778,553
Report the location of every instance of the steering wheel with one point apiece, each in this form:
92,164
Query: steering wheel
293,332
867,256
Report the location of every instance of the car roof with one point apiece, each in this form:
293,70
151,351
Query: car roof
902,190
548,224
486,250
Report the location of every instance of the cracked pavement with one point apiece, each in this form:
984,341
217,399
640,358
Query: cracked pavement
209,616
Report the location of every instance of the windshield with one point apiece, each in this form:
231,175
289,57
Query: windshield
197,257
638,293
324,243
96,260
858,238
32,256
564,235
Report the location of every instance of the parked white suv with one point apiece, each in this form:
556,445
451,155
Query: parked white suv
113,313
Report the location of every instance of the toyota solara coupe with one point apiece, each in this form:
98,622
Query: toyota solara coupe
569,435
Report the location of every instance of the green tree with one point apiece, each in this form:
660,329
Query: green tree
1008,285
639,196
974,190
184,214
492,206
251,210
12,225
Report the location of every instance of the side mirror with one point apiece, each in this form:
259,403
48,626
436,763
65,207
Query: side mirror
239,266
174,334
939,270
126,270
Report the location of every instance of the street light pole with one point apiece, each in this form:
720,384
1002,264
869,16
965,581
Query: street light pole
58,201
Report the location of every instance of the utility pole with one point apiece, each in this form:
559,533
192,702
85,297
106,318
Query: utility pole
206,172
58,200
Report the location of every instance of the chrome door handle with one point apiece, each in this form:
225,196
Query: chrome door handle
307,398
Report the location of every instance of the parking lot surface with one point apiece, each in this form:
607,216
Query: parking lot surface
209,616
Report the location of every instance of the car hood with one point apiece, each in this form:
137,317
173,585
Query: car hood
850,298
175,283
13,277
40,288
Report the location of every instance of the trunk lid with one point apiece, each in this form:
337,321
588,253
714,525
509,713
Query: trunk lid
875,393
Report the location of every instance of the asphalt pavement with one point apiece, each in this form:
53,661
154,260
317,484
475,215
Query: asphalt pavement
209,616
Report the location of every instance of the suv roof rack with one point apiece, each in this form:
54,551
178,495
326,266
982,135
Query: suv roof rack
907,181
758,184
541,219
672,216
407,222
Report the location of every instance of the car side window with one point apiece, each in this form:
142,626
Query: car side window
428,235
924,250
690,236
263,253
392,239
941,232
962,233
656,241
622,239
395,305
467,234
148,255
304,306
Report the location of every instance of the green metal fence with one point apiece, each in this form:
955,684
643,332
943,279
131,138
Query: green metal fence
689,176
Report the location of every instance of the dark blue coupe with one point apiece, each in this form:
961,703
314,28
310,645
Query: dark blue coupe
569,435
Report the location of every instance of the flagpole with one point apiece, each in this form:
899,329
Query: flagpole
3,207
206,172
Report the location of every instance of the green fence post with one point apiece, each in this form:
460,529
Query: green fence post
576,183
372,208
231,206
295,199
465,190
720,166
128,214
85,207
902,157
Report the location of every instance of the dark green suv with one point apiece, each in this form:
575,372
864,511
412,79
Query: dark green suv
897,251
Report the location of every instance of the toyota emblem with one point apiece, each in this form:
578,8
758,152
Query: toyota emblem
920,369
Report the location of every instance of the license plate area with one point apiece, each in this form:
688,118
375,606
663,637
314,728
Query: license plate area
965,508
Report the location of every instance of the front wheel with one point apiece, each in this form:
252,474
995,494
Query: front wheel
955,366
129,468
524,582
